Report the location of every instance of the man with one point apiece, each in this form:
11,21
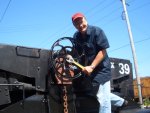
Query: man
98,68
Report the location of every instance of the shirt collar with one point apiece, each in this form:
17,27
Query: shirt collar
88,32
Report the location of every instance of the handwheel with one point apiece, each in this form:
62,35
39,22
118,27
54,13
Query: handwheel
59,51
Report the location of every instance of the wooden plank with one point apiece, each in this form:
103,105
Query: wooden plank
145,83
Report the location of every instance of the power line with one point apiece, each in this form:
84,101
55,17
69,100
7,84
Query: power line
69,26
129,44
2,17
103,8
100,3
105,16
141,6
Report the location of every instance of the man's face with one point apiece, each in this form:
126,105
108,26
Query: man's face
80,24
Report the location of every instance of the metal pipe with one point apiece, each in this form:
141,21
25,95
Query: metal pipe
134,54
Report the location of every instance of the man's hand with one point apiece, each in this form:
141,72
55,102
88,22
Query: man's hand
88,70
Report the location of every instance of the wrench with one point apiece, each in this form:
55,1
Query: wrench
70,59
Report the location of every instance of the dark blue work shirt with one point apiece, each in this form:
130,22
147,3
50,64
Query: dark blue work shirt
94,41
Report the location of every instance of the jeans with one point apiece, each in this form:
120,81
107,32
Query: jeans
103,97
116,100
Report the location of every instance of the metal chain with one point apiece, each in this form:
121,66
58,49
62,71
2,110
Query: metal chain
65,98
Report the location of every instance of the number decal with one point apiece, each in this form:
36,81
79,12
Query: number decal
127,69
124,68
121,71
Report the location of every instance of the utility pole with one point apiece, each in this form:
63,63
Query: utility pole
134,54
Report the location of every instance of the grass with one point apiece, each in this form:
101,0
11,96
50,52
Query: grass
146,102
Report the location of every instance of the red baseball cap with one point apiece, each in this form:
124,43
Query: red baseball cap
77,15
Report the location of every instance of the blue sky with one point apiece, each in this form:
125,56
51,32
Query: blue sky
39,23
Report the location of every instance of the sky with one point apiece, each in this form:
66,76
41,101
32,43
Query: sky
39,23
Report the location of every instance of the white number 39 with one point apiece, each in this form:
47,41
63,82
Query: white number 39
124,68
